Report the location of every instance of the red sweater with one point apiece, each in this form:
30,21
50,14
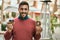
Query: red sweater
22,30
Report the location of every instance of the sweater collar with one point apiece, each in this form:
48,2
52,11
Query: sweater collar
25,18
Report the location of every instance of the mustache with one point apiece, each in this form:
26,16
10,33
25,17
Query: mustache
23,13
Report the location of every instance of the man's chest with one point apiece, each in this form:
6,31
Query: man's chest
22,27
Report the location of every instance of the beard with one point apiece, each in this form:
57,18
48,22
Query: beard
23,18
23,13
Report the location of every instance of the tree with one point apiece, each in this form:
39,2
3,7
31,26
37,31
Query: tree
13,14
0,7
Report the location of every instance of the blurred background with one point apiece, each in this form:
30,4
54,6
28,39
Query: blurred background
46,11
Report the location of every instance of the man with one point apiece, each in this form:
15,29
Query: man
23,27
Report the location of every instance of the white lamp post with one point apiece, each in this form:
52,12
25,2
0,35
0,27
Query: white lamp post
46,19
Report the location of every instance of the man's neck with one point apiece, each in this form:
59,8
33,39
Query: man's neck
25,18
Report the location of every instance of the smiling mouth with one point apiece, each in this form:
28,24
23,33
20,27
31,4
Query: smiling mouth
22,15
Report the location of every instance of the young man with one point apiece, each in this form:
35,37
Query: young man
23,27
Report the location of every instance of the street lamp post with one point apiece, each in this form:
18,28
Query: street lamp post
46,19
2,11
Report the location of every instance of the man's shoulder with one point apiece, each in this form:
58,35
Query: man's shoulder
31,19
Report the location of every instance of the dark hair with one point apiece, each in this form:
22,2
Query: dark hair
37,23
24,3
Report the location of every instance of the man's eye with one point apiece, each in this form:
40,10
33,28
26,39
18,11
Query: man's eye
25,8
21,8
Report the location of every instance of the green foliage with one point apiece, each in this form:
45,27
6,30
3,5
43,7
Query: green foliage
3,27
37,18
7,15
13,14
0,7
53,20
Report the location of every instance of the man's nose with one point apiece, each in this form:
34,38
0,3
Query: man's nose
24,10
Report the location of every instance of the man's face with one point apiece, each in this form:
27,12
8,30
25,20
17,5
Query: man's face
23,10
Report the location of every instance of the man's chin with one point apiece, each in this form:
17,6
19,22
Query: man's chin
23,17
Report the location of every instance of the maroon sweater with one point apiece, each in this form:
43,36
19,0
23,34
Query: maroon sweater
22,30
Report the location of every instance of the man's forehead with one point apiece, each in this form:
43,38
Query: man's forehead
24,6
